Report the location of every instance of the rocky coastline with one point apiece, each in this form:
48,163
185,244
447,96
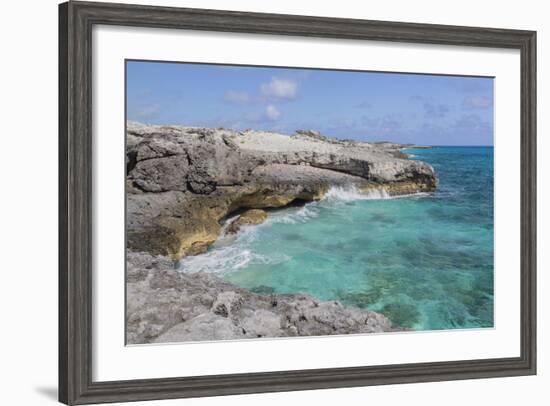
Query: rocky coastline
165,305
183,182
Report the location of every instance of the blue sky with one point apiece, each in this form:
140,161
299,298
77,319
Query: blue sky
371,106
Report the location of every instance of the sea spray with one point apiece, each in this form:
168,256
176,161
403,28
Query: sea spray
350,193
230,253
294,215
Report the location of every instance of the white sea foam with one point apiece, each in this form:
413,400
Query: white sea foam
226,223
351,193
294,215
229,253
217,261
226,259
232,252
347,194
409,195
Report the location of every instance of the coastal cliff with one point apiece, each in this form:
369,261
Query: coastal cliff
182,181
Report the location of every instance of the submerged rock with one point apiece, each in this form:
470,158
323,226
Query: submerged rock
166,305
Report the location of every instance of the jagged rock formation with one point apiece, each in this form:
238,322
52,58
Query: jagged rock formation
183,181
165,305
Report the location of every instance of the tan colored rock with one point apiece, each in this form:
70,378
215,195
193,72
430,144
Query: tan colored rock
178,224
182,181
399,188
249,217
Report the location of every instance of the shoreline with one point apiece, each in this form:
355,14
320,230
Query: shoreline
166,305
183,183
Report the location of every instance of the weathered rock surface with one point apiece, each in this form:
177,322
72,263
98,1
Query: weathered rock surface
183,181
249,217
165,305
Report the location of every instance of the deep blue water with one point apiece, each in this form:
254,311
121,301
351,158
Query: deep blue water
425,261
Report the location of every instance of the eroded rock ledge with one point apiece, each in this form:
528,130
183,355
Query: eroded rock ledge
165,305
183,181
249,217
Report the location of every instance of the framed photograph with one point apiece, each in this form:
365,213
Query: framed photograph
258,202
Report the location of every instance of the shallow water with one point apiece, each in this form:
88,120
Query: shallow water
425,261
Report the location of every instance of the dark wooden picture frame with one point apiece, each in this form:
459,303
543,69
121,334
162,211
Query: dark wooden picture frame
76,20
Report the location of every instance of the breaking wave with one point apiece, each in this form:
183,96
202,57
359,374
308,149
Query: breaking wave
294,215
230,253
227,259
351,193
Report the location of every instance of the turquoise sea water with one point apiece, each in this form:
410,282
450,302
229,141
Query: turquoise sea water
425,261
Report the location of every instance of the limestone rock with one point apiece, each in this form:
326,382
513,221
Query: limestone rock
249,217
204,327
227,304
166,305
182,181
262,323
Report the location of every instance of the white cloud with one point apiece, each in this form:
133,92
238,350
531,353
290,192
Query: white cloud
280,89
272,112
236,97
